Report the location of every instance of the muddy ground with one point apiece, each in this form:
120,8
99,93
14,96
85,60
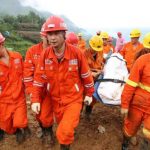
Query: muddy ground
87,135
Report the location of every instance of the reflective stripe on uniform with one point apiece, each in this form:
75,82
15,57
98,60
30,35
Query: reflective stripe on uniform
85,75
35,83
134,84
144,87
89,85
28,79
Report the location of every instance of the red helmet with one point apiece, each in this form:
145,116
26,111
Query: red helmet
2,39
119,33
72,38
55,23
43,33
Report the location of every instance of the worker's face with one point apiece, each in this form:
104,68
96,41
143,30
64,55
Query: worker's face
134,40
80,37
105,41
56,38
119,35
109,42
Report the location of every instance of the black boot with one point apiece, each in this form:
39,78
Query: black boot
20,136
88,111
144,144
125,143
64,147
48,135
1,134
27,132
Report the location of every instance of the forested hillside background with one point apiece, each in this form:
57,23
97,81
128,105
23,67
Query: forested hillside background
21,25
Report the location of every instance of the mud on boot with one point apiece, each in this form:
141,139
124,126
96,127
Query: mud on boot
48,135
27,132
1,134
125,143
64,147
20,136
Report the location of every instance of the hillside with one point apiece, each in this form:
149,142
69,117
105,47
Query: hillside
23,24
15,7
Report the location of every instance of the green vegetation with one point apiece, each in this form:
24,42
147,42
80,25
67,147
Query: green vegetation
17,43
20,31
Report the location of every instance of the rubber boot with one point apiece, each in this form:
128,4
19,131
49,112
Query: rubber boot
88,111
1,134
144,144
125,143
20,136
50,135
64,147
47,135
27,132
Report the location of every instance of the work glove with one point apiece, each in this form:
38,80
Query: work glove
36,107
124,112
87,100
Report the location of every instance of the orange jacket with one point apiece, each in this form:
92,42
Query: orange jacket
11,84
128,52
94,63
82,44
137,90
107,48
67,79
30,64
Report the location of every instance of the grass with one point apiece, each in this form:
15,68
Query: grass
16,43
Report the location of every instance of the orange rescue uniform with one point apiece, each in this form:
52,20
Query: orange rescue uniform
107,49
136,96
30,64
94,63
66,81
13,111
31,61
82,44
128,52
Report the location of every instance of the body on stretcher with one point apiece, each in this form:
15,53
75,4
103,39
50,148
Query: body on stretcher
110,84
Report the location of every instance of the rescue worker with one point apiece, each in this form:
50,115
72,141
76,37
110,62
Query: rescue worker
94,56
119,42
13,109
110,43
135,100
81,42
64,68
30,65
72,38
107,50
131,48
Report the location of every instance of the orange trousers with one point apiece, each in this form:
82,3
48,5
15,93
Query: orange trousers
66,116
13,116
46,115
134,121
